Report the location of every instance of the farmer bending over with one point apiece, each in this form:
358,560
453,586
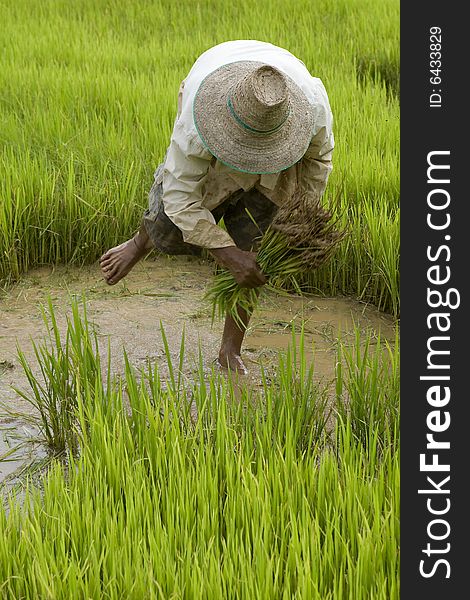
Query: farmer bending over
253,126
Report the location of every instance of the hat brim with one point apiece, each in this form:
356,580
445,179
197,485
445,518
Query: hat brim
238,147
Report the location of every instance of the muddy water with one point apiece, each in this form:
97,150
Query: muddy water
19,448
168,291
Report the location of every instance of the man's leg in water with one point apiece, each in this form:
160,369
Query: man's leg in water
117,262
246,220
232,340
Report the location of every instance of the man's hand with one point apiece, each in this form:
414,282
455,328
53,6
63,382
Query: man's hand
241,264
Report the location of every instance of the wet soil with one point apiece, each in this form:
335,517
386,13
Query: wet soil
168,293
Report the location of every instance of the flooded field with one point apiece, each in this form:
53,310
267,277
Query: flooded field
167,291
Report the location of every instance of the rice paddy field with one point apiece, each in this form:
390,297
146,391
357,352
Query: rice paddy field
289,490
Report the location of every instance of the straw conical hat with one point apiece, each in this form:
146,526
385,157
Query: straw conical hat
252,117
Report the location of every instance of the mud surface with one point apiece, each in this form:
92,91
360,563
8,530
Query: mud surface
167,292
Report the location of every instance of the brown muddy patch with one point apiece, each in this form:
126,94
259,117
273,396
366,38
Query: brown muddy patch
169,292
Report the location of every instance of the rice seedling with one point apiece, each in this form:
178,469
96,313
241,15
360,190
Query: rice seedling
63,363
367,395
306,405
244,503
301,238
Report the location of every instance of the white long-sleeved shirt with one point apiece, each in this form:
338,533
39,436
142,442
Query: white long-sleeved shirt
194,182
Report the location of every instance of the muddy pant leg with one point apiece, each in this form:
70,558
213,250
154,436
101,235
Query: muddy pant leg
163,233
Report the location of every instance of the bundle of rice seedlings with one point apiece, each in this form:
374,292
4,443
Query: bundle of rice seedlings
302,237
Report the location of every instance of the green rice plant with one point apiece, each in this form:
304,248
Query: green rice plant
66,363
230,504
301,238
301,418
367,390
382,69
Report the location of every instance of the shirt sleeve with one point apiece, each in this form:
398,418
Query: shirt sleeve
186,166
316,164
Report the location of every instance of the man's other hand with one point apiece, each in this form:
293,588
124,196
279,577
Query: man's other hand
241,264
